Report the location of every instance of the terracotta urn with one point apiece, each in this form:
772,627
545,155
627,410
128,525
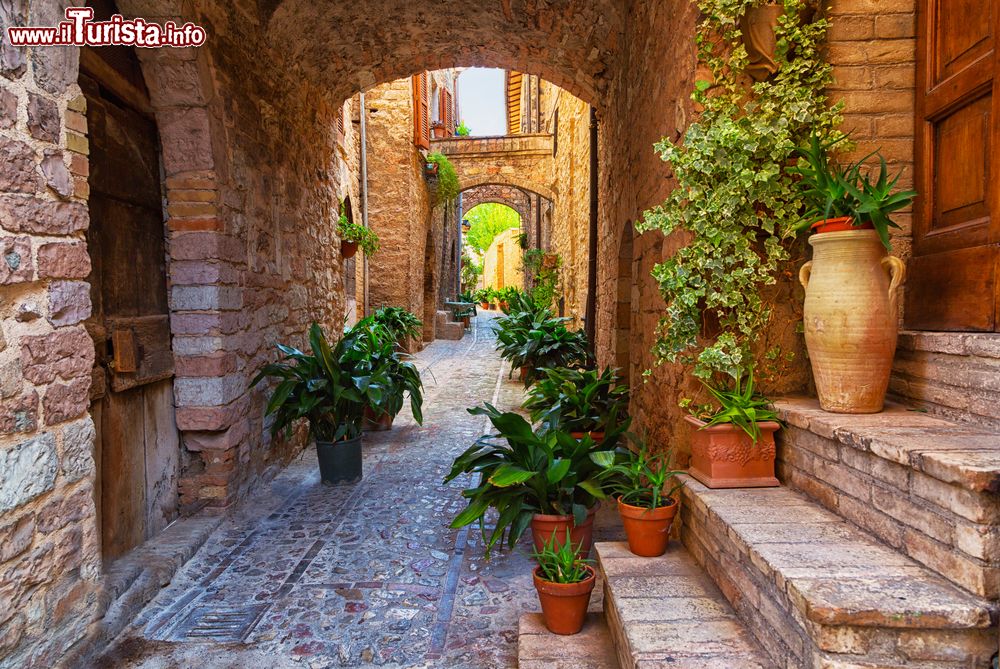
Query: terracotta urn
851,318
544,526
564,605
724,456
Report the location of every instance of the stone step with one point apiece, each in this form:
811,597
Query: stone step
445,328
538,648
666,612
816,591
925,486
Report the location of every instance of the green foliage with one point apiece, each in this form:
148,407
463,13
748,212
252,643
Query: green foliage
471,270
355,232
543,272
515,299
579,400
488,220
447,178
739,405
544,471
483,295
833,190
735,197
328,387
463,130
535,340
399,322
562,564
637,477
374,351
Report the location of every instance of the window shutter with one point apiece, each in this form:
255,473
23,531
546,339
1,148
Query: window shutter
449,111
421,112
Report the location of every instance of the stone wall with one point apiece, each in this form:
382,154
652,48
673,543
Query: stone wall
502,265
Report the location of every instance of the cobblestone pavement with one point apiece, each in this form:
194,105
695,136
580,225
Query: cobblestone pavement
312,575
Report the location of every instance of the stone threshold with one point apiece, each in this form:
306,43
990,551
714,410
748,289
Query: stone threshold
817,591
133,580
958,454
981,344
538,648
666,612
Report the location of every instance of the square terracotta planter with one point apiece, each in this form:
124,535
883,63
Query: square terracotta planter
724,456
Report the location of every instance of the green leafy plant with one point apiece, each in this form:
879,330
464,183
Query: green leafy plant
483,295
520,472
736,200
534,340
329,387
542,270
447,178
399,322
355,232
488,220
636,476
579,400
832,190
462,130
562,564
374,349
471,270
738,404
508,294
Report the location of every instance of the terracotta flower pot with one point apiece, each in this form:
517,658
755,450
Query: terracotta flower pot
724,456
348,248
543,526
523,374
564,605
850,317
840,224
648,530
466,320
484,306
598,437
503,306
440,131
377,423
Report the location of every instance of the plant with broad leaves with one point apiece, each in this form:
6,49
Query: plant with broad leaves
355,232
520,472
579,400
534,340
329,387
636,476
561,562
375,349
399,322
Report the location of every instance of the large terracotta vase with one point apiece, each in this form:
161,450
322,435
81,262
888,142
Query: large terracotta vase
851,318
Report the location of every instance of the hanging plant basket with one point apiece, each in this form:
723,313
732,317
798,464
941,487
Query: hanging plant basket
348,248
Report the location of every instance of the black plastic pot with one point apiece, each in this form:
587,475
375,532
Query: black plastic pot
339,461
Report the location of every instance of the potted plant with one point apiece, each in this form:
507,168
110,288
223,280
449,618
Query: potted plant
542,479
374,349
462,130
564,582
581,401
439,129
330,390
639,480
482,296
402,324
352,235
732,445
850,314
535,340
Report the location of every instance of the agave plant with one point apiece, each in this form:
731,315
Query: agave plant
636,476
520,472
579,400
329,387
739,405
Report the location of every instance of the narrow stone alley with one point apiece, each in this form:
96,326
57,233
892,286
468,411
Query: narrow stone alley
304,574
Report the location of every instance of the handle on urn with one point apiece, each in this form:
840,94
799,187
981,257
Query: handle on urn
804,273
897,272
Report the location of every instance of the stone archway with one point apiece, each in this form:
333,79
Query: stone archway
510,196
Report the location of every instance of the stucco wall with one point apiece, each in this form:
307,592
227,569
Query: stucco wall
502,266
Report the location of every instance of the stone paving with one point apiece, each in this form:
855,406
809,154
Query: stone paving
311,575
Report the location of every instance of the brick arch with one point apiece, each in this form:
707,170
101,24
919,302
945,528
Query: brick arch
510,196
469,182
574,45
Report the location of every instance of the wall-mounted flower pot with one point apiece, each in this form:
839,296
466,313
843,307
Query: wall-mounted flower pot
851,317
340,461
376,423
348,248
839,224
564,605
430,169
544,526
724,456
647,530
439,130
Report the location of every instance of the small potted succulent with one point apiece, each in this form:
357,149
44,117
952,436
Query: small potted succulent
581,401
850,316
352,235
639,480
732,444
330,388
564,581
542,479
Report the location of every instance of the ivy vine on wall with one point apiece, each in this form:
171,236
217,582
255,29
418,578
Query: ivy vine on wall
734,196
447,178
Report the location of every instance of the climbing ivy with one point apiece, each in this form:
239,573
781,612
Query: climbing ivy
543,273
735,198
447,185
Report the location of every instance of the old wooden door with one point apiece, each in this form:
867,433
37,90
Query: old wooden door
954,278
132,397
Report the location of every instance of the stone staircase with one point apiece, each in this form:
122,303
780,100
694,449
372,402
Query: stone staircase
881,550
445,328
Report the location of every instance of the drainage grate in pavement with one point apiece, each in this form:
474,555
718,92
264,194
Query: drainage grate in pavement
214,623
